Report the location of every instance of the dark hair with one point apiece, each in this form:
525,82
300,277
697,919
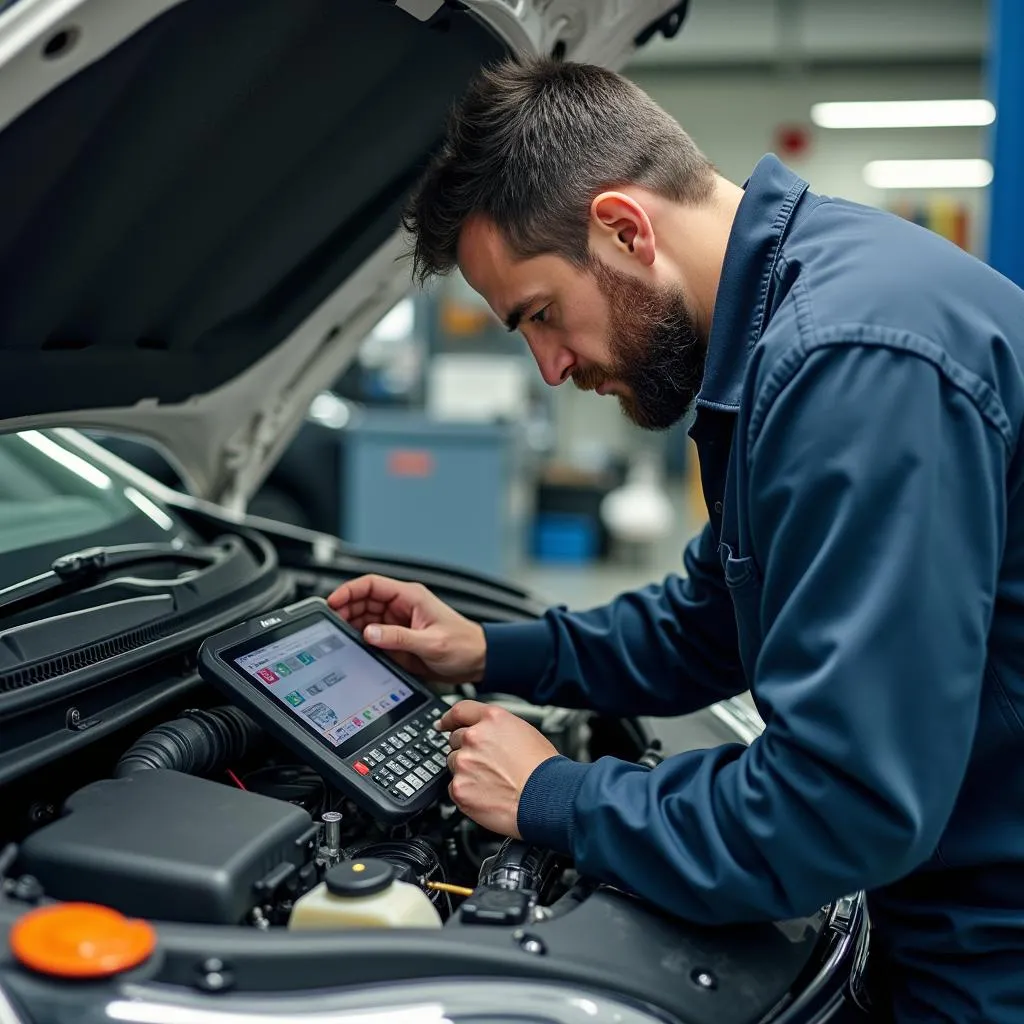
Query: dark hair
530,145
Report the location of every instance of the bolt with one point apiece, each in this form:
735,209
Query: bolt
28,889
74,717
704,979
39,813
215,981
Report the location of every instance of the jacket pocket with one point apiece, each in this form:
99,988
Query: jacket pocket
743,580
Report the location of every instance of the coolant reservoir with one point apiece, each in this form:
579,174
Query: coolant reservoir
363,894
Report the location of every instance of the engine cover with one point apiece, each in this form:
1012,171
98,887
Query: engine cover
171,847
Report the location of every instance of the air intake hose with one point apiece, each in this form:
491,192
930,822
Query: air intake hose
517,865
198,743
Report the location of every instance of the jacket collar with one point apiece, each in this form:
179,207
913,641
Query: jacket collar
772,193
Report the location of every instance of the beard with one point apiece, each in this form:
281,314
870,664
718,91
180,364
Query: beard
656,350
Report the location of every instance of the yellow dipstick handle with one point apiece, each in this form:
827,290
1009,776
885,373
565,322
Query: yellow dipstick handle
455,890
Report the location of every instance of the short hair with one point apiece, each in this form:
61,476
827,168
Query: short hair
530,145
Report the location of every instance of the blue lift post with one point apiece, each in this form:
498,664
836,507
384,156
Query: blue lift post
1006,196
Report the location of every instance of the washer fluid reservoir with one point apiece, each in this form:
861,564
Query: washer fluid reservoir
363,894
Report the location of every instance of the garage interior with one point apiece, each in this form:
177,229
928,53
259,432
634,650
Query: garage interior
555,488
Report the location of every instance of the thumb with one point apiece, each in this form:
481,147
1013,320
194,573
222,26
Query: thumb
394,638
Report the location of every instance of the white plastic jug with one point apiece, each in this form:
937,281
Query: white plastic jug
363,894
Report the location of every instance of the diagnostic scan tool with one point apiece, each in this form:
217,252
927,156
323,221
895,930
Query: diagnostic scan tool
364,724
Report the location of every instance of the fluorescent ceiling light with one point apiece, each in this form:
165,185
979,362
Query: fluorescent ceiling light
928,173
904,114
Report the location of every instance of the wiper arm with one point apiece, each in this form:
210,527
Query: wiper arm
78,569
95,561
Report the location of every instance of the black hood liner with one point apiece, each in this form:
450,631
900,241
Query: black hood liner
179,207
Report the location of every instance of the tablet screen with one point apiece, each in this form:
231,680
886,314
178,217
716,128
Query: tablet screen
326,679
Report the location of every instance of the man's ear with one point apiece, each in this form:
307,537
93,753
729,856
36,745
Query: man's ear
618,220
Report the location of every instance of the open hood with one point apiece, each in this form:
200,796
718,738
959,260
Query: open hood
201,199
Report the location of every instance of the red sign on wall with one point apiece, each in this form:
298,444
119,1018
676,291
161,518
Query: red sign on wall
410,462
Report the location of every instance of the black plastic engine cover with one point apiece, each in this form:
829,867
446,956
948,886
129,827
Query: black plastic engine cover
167,846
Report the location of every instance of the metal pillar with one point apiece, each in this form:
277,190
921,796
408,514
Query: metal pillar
1006,197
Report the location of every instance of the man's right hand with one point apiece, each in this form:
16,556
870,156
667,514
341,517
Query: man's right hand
417,629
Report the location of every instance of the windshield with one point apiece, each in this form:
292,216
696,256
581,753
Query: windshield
54,500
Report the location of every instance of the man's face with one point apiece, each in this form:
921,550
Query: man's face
607,330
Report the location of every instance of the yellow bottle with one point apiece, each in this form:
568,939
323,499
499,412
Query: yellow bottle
363,894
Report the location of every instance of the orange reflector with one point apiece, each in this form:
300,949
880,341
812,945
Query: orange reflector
80,940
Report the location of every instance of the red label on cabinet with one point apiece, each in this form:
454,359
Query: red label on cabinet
410,462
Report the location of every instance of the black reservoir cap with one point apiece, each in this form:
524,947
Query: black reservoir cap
364,876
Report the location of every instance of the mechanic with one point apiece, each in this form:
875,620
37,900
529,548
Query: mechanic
859,393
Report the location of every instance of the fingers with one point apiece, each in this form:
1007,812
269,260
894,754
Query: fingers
374,588
463,714
361,621
360,609
457,738
398,638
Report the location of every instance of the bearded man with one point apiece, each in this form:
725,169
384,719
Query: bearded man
859,393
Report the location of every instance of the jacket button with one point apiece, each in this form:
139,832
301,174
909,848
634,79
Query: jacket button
718,507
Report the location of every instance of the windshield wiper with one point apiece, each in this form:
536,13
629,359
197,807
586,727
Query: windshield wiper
77,569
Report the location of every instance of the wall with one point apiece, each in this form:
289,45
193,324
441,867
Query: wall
720,32
732,113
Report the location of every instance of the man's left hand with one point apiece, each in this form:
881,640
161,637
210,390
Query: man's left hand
493,754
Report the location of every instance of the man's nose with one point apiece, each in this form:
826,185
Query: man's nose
556,364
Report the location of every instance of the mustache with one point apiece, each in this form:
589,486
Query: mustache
589,378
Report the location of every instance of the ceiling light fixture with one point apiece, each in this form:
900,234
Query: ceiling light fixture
928,173
904,114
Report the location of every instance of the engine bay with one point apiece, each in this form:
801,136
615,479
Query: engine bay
206,820
147,791
260,877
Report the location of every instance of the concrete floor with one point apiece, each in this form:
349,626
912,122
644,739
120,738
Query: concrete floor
581,587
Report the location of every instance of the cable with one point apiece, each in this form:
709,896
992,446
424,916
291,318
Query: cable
8,855
463,833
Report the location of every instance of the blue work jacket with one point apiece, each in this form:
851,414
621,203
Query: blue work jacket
862,572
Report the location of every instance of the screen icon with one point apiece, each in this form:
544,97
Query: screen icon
282,669
295,698
305,657
394,698
268,675
323,716
356,720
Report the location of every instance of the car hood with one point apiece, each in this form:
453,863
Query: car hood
201,199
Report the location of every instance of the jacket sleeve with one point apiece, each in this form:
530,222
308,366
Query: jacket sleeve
663,650
878,514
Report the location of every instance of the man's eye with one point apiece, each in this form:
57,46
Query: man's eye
541,316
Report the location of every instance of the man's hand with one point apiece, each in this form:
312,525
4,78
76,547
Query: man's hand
417,629
493,754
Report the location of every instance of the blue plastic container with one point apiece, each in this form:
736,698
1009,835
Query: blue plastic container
563,537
